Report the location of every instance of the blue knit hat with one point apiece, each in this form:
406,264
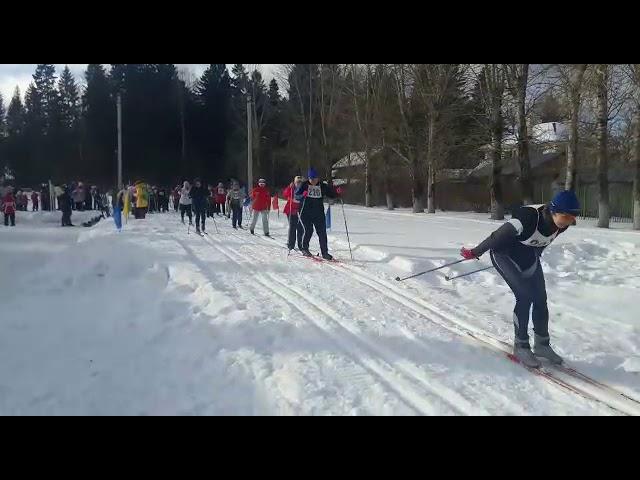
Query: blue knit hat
565,202
312,173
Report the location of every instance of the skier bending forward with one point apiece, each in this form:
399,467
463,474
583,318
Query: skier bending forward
515,250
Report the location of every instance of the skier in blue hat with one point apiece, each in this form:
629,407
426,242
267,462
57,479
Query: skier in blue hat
311,195
515,250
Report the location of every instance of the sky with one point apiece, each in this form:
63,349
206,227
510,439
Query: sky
19,74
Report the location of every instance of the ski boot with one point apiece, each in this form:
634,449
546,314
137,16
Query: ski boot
252,232
542,348
306,253
522,353
326,256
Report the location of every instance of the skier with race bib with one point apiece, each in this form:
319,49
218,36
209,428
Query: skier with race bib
311,195
515,249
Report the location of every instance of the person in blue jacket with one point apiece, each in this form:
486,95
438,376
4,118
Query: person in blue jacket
311,195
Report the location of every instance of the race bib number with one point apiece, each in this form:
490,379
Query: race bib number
314,191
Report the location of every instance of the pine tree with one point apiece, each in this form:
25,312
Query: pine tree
3,124
274,92
98,125
46,97
69,99
213,93
15,115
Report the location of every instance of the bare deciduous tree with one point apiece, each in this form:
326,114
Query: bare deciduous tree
408,147
517,80
571,78
633,71
490,78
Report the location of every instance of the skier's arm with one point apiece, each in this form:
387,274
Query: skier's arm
499,239
328,191
299,195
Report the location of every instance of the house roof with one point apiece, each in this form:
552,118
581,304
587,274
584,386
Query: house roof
354,159
510,166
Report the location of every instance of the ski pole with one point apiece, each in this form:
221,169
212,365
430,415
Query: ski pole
215,224
398,279
469,273
346,228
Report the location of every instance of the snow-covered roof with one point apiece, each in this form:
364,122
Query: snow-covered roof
354,159
550,132
541,133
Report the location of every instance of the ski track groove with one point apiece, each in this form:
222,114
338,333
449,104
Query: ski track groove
418,305
600,393
382,368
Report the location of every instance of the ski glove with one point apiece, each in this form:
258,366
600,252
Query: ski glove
468,254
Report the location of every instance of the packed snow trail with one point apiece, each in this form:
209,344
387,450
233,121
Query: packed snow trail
156,321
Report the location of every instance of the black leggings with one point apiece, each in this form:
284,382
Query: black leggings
201,215
185,209
529,289
317,220
295,232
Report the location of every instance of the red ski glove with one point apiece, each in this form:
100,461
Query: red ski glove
468,254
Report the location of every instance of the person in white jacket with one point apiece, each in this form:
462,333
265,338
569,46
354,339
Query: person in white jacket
185,202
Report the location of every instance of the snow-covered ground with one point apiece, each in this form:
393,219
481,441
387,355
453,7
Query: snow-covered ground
155,321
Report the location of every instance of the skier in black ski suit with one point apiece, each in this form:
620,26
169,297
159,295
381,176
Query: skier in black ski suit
199,196
515,250
311,196
64,204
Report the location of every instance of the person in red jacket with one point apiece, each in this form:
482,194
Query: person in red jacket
34,201
261,203
9,208
292,211
221,198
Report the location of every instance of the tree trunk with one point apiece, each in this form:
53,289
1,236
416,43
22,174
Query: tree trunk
575,86
418,186
431,177
602,139
497,209
387,183
367,179
523,140
636,179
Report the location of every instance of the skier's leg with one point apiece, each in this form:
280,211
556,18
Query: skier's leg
540,312
307,224
299,230
203,219
254,220
540,315
265,222
6,219
13,219
320,225
520,286
293,226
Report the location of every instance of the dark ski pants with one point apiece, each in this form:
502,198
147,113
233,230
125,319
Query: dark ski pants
530,290
186,209
317,220
220,208
66,218
236,211
201,215
9,216
295,232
